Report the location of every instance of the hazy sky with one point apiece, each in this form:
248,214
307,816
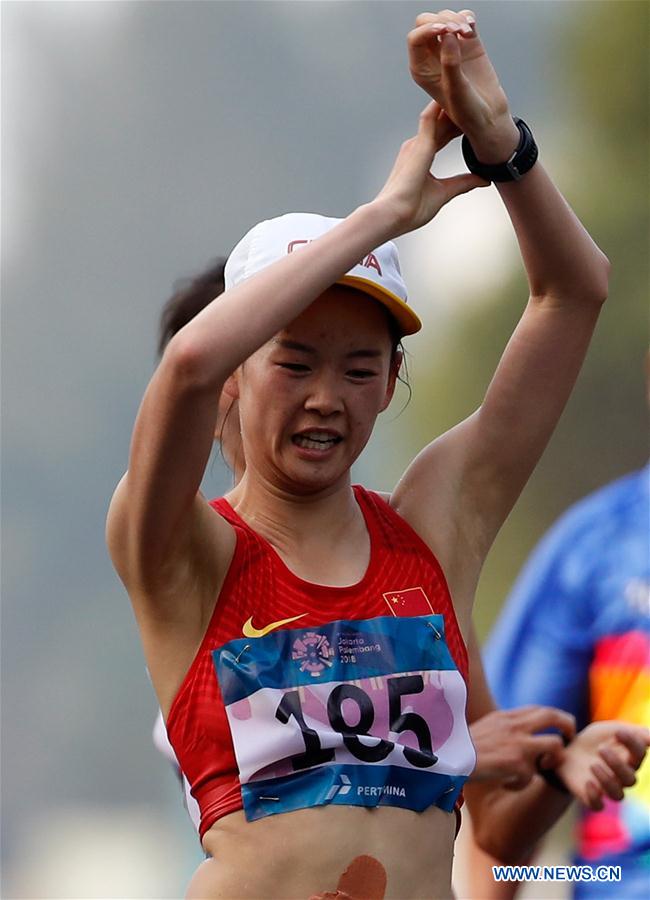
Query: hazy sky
139,140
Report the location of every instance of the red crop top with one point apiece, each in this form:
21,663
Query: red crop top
403,578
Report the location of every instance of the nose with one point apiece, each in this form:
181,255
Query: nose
324,396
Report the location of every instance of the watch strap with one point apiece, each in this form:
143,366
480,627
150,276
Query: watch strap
521,161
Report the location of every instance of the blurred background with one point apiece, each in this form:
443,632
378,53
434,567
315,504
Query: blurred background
139,141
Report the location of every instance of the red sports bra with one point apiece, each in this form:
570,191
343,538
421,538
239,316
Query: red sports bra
265,612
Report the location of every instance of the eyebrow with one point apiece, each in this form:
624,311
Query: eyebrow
305,348
294,345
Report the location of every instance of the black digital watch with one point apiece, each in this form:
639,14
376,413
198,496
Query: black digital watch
521,161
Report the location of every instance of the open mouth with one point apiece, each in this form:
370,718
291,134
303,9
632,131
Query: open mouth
312,440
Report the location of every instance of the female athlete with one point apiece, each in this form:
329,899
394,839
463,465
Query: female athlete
511,804
300,633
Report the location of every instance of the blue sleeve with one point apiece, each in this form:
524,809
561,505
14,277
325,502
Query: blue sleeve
541,647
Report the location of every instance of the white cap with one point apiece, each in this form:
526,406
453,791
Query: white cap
377,274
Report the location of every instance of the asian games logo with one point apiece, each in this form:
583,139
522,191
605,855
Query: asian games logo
313,652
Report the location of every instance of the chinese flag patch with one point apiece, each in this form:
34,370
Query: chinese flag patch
409,602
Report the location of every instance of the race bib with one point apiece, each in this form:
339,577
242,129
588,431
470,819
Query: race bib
364,712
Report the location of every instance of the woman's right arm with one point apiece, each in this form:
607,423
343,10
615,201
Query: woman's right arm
156,505
157,500
157,514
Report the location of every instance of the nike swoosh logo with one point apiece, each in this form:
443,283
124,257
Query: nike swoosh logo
249,630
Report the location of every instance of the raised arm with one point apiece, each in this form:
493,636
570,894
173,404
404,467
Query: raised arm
477,470
157,500
157,519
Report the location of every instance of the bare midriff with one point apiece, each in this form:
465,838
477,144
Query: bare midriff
329,852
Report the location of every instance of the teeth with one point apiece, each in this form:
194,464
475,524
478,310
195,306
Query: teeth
311,444
317,436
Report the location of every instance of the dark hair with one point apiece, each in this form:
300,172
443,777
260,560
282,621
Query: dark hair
190,296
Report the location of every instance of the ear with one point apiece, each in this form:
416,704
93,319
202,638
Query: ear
395,366
231,386
227,402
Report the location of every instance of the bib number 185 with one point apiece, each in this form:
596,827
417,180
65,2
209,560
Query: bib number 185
398,687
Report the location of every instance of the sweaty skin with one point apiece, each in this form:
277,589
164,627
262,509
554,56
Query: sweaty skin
364,879
301,854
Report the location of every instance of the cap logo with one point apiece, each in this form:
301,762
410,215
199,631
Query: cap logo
369,262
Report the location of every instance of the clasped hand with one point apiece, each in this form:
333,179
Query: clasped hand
447,60
599,761
412,195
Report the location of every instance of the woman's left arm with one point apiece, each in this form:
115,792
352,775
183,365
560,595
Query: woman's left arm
480,467
567,276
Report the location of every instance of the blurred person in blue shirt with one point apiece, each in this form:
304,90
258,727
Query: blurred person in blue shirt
575,633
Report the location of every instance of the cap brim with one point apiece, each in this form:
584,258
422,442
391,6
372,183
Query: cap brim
407,320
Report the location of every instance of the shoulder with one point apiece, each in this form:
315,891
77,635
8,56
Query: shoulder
396,530
591,524
566,566
615,497
199,554
384,510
